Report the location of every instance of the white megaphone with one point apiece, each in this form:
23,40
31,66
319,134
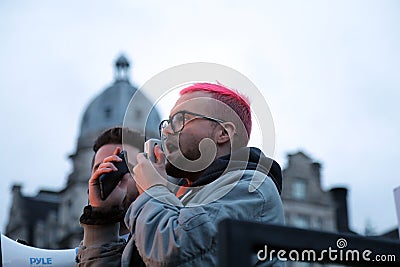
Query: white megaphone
14,254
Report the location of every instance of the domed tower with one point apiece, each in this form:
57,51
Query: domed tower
104,111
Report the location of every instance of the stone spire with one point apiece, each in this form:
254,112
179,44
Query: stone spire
122,69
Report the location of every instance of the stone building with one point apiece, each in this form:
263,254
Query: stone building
30,216
307,205
60,211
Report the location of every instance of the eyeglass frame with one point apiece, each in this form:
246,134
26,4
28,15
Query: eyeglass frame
184,112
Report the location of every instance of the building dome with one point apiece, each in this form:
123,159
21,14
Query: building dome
108,109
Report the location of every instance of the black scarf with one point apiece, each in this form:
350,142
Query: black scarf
246,158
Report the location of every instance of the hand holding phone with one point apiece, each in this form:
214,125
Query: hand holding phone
108,181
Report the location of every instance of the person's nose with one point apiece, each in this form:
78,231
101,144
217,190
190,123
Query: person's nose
167,129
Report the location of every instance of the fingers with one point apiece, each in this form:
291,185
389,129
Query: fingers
117,150
114,156
111,158
137,172
160,156
148,173
105,167
141,157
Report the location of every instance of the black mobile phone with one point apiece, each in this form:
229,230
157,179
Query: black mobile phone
108,181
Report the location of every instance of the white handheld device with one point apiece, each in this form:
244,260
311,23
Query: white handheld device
149,148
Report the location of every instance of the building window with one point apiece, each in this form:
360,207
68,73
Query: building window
319,223
299,189
107,112
301,221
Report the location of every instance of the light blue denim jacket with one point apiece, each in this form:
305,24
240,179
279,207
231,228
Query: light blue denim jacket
170,232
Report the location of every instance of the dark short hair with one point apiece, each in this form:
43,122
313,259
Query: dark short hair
114,136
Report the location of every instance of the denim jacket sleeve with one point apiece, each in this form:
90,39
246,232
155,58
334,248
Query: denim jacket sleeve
167,233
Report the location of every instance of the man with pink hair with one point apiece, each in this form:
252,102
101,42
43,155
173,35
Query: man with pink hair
205,150
203,173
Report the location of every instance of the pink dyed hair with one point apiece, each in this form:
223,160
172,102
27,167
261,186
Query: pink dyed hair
235,100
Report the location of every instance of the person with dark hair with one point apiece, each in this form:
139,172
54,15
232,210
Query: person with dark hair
105,234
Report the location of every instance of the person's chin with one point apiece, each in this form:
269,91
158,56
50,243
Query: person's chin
172,170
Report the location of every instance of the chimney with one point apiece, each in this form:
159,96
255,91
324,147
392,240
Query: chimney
339,196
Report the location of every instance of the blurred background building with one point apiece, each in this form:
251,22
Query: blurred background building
51,219
306,204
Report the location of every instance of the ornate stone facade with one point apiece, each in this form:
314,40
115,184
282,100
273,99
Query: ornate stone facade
58,223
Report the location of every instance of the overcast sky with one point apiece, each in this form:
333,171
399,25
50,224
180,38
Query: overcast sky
329,70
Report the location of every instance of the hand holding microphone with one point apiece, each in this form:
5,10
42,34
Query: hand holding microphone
150,170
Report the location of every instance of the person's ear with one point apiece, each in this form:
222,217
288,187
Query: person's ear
226,132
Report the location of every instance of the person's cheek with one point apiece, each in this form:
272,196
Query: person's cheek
132,190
